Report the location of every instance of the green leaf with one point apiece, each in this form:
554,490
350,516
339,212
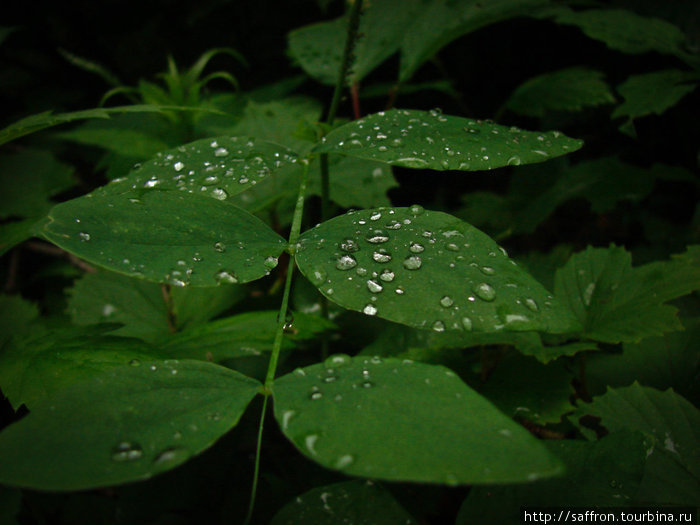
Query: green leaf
571,89
38,366
47,119
430,140
28,179
605,472
653,93
215,167
14,233
141,307
355,182
166,236
318,48
129,423
524,388
16,316
396,420
671,361
425,269
617,303
439,23
127,142
357,502
242,335
672,422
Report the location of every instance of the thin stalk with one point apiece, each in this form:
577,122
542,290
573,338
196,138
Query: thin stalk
353,25
279,334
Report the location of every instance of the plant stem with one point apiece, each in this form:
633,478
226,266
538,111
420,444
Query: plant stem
279,334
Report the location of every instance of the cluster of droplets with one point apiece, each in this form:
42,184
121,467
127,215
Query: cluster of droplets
218,168
420,139
379,258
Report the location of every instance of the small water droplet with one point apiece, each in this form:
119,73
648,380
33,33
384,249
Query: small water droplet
287,415
178,166
487,270
369,309
446,301
337,360
381,256
531,304
345,262
220,152
316,395
344,461
375,216
135,362
226,277
439,326
349,245
387,276
219,247
467,324
416,247
270,262
412,263
127,451
171,455
417,209
485,291
84,237
310,442
377,237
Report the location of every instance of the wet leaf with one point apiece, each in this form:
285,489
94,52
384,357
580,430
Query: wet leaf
215,167
166,236
403,421
431,140
357,502
127,424
425,269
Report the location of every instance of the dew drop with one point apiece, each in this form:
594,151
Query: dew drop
487,270
417,209
369,309
375,216
381,256
170,455
84,237
446,301
219,247
531,304
178,166
220,152
439,326
310,442
226,277
127,451
219,193
374,286
345,262
377,237
318,277
344,461
316,396
349,245
270,262
416,247
135,362
387,276
467,324
485,291
412,263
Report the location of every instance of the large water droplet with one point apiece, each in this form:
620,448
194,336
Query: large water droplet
226,277
387,276
377,237
219,193
381,256
178,166
412,263
220,152
345,262
485,291
374,286
127,451
531,304
416,247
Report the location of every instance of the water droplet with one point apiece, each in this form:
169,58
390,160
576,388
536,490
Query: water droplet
316,395
226,277
487,270
287,415
171,455
467,324
377,237
270,262
127,451
485,291
531,304
412,263
452,247
374,286
375,216
219,193
439,326
345,262
367,384
349,245
344,461
417,209
84,237
416,247
220,152
178,166
514,161
369,309
446,301
361,271
588,294
318,276
381,256
399,290
387,276
310,442
219,247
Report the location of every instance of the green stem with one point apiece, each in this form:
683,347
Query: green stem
279,334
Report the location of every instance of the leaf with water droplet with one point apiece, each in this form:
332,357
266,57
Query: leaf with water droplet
69,441
358,502
416,280
398,426
216,167
457,143
161,230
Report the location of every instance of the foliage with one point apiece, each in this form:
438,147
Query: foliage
156,334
